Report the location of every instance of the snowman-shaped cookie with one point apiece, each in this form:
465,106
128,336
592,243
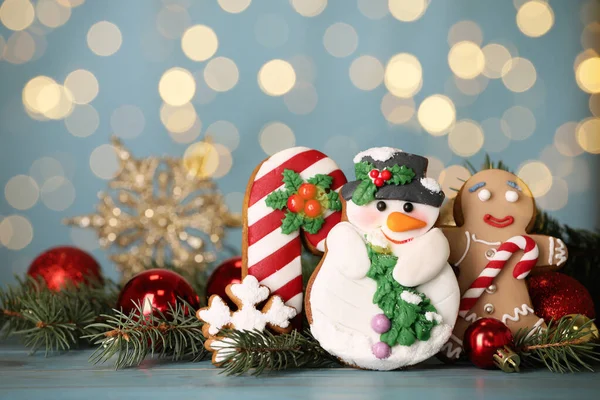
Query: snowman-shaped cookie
493,253
384,295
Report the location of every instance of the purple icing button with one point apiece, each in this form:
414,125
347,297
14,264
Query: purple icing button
381,350
380,323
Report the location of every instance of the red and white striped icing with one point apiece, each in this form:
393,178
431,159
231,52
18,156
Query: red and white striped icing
272,256
493,268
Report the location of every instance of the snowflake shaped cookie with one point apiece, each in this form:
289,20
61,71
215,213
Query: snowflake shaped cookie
246,296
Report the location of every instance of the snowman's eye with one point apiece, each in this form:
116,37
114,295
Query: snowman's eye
408,207
381,206
484,195
511,196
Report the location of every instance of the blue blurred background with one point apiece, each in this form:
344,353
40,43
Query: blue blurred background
451,80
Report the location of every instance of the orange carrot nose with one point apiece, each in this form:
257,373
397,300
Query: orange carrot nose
399,222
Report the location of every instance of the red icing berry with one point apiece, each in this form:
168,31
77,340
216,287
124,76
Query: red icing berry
374,174
307,191
386,175
295,203
378,182
312,208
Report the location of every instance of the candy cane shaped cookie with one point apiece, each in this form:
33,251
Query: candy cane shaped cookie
493,268
291,194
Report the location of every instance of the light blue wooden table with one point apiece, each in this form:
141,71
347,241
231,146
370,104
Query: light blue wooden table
70,376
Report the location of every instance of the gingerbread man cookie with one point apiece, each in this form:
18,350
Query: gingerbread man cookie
493,253
247,296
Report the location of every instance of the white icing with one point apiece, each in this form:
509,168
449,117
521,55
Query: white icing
247,317
472,317
551,251
431,184
511,196
412,298
342,305
467,248
222,349
450,351
431,316
523,310
277,159
282,276
484,195
536,328
376,238
269,245
377,154
484,242
561,253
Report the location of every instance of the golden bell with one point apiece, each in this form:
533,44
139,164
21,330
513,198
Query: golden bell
583,323
507,360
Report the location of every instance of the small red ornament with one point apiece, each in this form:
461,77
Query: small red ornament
312,208
295,203
487,343
555,295
156,289
386,175
374,173
307,191
229,271
378,182
60,266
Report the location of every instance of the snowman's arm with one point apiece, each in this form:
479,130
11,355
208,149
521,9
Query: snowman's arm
553,253
348,250
423,260
459,242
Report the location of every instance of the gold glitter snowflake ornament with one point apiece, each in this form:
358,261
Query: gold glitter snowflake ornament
156,213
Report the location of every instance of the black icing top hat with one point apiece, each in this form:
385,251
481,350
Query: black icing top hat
390,174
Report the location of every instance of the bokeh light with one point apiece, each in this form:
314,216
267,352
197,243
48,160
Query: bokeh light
366,72
403,75
234,6
204,94
556,198
588,75
188,136
437,114
271,30
373,9
276,136
537,176
201,159
224,133
58,193
16,232
452,179
559,164
565,139
435,167
199,43
471,87
104,162
62,104
172,21
221,74
177,86
408,10
104,38
304,66
83,85
17,14
309,8
52,14
594,103
20,48
465,31
178,119
496,57
302,99
83,121
340,40
225,161
397,110
518,75
45,168
588,135
518,123
495,139
276,77
535,18
127,121
466,60
465,138
21,192
590,37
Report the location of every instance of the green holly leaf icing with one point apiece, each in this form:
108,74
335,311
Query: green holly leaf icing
364,193
292,180
362,170
333,201
423,331
401,175
313,225
406,337
291,222
278,199
322,181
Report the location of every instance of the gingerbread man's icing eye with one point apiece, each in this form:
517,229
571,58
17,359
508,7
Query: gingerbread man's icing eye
484,195
511,196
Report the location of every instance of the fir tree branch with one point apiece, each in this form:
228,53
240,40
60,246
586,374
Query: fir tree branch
264,351
176,335
560,348
49,320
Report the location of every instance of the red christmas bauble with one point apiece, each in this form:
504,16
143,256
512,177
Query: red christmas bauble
229,271
483,338
60,265
156,289
555,295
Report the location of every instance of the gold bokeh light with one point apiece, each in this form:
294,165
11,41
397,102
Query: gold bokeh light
535,18
172,21
177,86
588,135
496,57
83,85
83,121
309,8
403,75
178,119
52,13
373,9
437,114
452,178
594,104
16,232
199,43
397,110
518,74
234,6
17,15
366,72
587,75
276,77
466,60
221,74
276,136
104,38
465,31
224,133
340,40
21,192
537,176
201,159
465,138
408,10
565,140
518,123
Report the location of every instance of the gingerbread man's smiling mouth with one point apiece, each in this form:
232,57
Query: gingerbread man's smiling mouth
498,223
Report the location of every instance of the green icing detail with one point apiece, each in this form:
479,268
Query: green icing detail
409,323
365,191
